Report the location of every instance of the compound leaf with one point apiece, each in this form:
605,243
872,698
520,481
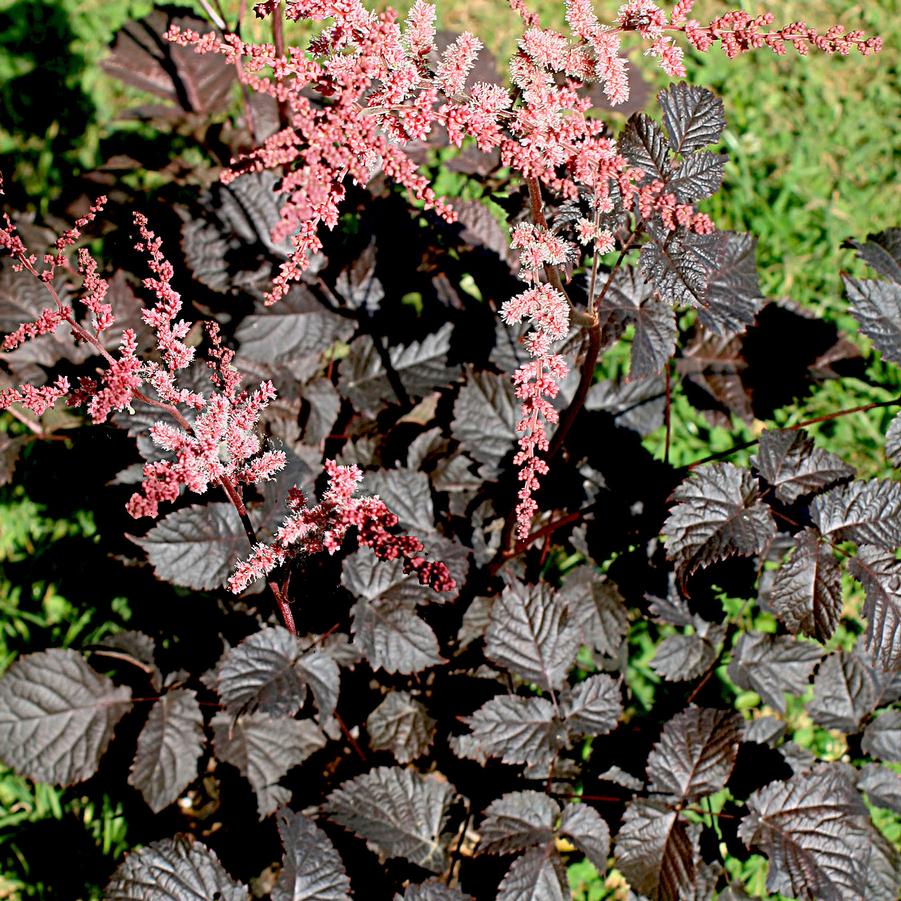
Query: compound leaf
532,634
807,590
174,869
716,516
588,831
595,706
876,305
733,289
311,869
399,813
680,265
645,146
813,829
882,252
57,716
880,574
791,463
699,175
402,726
169,747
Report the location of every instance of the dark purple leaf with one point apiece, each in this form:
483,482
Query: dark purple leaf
638,405
807,590
882,252
656,850
692,115
357,283
485,416
699,175
196,547
845,690
264,748
432,891
716,516
532,634
311,869
882,785
517,730
773,665
882,738
598,610
408,496
683,657
876,305
695,754
733,290
595,706
517,821
644,145
57,716
883,870
402,726
399,813
588,831
714,367
813,829
791,463
537,876
143,59
879,572
865,512
893,442
392,637
169,747
174,869
630,300
680,266
765,730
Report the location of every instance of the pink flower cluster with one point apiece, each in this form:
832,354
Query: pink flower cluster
653,199
324,526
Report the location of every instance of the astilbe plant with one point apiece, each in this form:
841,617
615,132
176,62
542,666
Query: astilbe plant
506,729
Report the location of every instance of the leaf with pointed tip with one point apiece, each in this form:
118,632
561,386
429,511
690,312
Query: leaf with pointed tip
716,516
807,589
693,116
174,869
518,730
595,706
630,300
813,829
683,657
421,367
259,674
517,821
882,738
893,442
794,466
699,175
169,747
598,610
536,876
588,831
645,146
392,637
773,665
680,266
884,869
695,754
311,869
263,748
733,290
399,813
879,572
57,716
876,305
845,690
532,634
195,547
402,726
655,850
882,785
485,416
883,252
318,670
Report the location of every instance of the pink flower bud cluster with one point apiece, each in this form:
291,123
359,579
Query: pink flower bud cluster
653,199
324,526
